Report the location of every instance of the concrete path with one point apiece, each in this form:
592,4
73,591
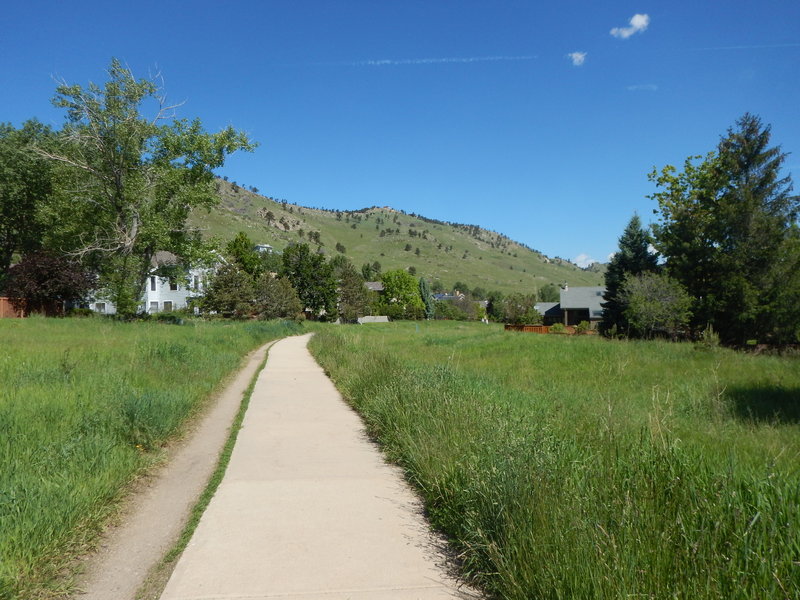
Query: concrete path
307,508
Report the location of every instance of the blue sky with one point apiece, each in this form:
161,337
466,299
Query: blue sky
539,120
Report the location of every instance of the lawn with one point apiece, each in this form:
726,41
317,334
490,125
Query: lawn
577,467
85,406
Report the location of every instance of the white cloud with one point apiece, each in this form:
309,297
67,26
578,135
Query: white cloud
643,87
434,61
583,260
577,58
638,24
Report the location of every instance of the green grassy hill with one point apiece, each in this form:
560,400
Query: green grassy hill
438,251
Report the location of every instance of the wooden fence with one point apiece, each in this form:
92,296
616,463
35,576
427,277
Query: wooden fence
52,308
7,310
529,328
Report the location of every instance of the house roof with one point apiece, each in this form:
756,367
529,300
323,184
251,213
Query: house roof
584,297
375,286
163,258
548,309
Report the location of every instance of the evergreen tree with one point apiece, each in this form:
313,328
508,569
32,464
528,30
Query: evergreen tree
427,298
726,226
633,258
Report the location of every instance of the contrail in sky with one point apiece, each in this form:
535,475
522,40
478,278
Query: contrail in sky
433,61
754,47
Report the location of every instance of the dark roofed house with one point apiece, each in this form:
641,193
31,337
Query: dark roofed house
374,286
550,311
582,304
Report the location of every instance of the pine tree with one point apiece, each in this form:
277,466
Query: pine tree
634,258
726,226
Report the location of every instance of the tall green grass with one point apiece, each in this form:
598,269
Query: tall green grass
583,468
86,404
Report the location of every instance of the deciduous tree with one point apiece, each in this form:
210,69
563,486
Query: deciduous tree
127,180
276,298
312,276
43,278
655,304
25,183
724,224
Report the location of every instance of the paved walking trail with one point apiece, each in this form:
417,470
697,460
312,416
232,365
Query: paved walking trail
307,509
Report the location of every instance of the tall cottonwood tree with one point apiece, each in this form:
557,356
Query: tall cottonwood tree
128,174
726,225
632,258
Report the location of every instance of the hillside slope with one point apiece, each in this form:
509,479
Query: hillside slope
438,251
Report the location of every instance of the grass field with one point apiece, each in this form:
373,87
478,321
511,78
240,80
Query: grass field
576,467
85,405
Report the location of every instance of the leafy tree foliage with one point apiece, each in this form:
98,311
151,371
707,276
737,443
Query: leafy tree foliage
402,290
312,276
128,181
354,297
241,250
25,183
230,293
655,304
549,292
43,278
633,258
494,306
276,298
520,309
725,226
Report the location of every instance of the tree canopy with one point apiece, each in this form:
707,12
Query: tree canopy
312,276
632,258
25,183
128,174
726,224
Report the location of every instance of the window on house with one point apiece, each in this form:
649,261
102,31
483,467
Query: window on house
196,283
173,284
152,284
100,307
167,306
154,307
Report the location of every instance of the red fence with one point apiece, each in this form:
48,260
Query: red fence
529,328
7,310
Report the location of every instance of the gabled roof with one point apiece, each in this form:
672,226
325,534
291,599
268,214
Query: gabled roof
584,297
375,286
548,309
163,258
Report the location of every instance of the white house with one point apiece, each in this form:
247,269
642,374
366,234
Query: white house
163,294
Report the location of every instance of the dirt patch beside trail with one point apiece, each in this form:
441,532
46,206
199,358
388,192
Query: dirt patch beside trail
153,517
